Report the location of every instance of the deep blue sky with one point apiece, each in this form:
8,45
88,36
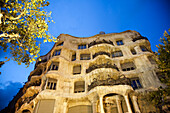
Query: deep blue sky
83,18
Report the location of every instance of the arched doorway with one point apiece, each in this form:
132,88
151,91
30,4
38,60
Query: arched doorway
80,109
114,103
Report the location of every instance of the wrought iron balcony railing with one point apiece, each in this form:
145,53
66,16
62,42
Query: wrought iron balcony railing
109,82
100,42
105,65
101,53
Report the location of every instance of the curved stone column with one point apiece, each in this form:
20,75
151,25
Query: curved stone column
137,110
128,104
118,102
101,104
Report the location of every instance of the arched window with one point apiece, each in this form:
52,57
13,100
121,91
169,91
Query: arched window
26,111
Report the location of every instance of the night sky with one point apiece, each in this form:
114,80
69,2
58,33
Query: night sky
84,18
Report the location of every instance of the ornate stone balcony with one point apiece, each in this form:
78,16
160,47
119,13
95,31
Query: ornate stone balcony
101,53
122,80
139,38
100,42
35,83
26,100
105,65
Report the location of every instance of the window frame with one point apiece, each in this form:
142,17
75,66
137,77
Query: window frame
130,68
137,83
83,84
133,51
76,66
117,54
54,64
88,57
51,84
82,46
58,51
119,42
73,55
143,48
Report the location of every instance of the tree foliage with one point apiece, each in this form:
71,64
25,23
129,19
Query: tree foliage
159,98
22,22
164,58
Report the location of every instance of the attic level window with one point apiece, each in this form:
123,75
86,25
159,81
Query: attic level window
57,52
119,42
77,70
79,86
85,57
54,66
51,84
133,51
82,46
128,66
117,54
152,61
73,57
60,44
135,83
143,48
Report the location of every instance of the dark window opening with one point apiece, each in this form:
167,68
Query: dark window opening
119,42
128,66
133,51
77,70
85,57
143,48
57,52
135,83
117,54
79,87
51,84
73,57
54,66
82,46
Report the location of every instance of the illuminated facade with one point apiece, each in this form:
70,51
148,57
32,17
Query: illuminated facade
98,74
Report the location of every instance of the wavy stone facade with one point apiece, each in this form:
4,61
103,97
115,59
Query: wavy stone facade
98,74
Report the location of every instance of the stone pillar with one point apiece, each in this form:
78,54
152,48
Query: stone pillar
65,107
118,102
137,110
128,104
101,104
94,104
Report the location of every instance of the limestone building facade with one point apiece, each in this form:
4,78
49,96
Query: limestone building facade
98,74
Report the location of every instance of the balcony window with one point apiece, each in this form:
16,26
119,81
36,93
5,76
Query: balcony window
54,66
60,44
77,70
73,57
135,83
119,42
152,61
57,52
117,54
51,84
85,57
143,48
79,86
133,51
128,66
82,46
